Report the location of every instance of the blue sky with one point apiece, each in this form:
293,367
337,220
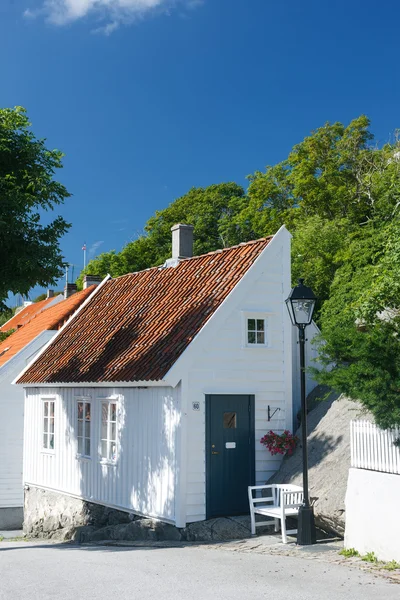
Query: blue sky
148,98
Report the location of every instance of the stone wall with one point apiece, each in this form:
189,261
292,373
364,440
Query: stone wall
49,514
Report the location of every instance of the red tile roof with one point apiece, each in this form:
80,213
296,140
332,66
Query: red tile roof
52,318
26,314
137,326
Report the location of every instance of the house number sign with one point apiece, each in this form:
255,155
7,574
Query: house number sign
196,405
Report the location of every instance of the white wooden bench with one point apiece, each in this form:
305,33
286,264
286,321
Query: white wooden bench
284,501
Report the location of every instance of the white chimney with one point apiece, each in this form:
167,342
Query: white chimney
89,280
182,241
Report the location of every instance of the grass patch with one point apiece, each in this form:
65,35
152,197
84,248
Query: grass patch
391,566
349,552
1,538
370,557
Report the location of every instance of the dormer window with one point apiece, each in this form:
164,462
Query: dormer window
255,330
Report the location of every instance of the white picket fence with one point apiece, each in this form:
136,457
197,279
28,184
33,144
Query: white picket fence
372,448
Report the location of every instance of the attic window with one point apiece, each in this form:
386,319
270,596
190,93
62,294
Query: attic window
4,351
256,331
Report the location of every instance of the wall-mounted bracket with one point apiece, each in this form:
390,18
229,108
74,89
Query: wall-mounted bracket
269,414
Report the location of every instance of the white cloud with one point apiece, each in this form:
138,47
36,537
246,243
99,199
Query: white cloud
93,248
112,12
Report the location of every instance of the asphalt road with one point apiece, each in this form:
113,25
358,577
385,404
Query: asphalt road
62,572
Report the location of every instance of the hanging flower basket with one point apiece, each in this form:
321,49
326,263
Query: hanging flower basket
280,443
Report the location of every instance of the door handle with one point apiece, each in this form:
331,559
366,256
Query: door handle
213,452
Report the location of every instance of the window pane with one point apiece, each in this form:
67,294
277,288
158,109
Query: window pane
80,428
46,409
260,337
51,441
104,449
229,420
104,431
80,445
45,425
87,411
104,412
113,432
87,429
52,425
113,412
251,337
45,440
113,451
51,409
80,410
87,447
260,324
251,324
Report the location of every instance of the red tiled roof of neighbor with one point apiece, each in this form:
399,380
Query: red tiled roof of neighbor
52,318
137,326
26,314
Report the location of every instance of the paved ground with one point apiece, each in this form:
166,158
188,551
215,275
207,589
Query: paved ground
237,570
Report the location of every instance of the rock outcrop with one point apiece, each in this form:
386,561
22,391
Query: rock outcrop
328,456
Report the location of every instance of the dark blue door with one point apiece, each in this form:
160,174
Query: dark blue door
229,453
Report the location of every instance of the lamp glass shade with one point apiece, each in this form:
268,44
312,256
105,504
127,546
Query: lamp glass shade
301,304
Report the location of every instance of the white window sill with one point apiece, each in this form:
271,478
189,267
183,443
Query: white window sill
83,458
256,346
108,463
49,452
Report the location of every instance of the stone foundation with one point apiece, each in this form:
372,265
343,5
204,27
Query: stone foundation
49,514
54,515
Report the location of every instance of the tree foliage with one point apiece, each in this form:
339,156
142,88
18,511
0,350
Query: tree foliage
29,246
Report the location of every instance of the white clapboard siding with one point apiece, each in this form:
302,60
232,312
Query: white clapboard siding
224,365
373,448
143,477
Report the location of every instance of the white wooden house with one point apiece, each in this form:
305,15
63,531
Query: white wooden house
154,397
33,327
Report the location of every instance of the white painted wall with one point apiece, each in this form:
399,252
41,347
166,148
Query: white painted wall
372,506
12,424
143,477
223,365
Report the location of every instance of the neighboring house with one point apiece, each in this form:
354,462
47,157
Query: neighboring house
154,397
26,313
34,327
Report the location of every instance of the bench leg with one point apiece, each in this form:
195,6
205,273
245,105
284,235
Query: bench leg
253,522
277,525
283,525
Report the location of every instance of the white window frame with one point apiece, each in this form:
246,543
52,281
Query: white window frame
109,402
85,400
246,315
47,400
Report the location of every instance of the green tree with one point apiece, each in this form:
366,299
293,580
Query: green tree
361,325
29,248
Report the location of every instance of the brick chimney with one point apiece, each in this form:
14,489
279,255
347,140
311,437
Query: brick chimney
182,241
69,289
89,280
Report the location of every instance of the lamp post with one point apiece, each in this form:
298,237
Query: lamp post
301,304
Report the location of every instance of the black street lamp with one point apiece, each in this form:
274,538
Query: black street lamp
301,304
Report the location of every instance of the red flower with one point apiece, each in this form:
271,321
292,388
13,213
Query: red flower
279,443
